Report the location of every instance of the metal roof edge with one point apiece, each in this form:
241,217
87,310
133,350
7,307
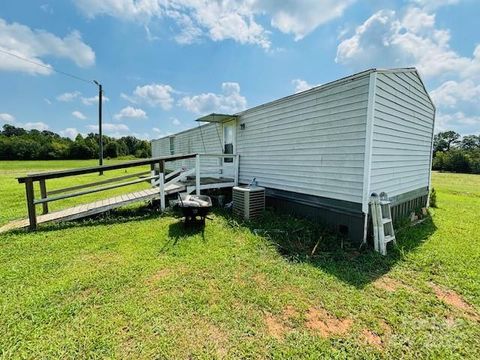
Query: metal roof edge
183,131
312,90
322,87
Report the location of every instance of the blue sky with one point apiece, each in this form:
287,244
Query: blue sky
163,63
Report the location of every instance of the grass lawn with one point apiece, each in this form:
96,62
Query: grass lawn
138,285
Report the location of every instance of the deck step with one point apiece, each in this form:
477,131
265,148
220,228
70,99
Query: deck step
389,238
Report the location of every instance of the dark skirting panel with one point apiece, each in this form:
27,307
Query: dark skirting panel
345,217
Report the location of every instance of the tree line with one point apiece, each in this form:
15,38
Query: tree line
17,143
451,152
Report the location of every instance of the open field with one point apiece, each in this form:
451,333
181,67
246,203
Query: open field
138,285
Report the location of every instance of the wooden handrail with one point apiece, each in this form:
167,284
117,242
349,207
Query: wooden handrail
91,191
219,155
94,169
157,177
107,181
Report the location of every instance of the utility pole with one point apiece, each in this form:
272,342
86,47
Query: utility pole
100,140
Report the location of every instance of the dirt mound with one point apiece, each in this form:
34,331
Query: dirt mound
386,283
453,299
325,324
275,327
372,338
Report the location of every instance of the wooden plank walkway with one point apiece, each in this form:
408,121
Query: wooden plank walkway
97,207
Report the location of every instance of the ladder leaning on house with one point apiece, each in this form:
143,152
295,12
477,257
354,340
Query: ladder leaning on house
383,231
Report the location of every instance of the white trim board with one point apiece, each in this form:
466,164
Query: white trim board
367,162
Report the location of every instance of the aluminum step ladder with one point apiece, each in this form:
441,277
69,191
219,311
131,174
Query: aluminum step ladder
383,231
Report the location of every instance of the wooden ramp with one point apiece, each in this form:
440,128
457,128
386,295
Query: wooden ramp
161,184
97,207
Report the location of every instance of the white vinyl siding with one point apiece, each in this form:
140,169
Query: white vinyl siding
313,143
206,139
160,147
402,134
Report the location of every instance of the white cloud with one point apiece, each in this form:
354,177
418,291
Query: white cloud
46,8
458,121
79,115
5,117
114,130
109,127
451,93
68,96
35,44
223,19
391,39
301,85
8,118
69,132
412,37
230,101
131,112
158,133
153,95
47,101
176,122
93,100
36,125
302,17
434,4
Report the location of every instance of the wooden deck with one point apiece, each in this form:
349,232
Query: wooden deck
97,207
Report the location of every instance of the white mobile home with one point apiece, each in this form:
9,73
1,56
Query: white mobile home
322,152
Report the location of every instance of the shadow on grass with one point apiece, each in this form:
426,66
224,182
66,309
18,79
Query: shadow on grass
180,230
300,240
116,216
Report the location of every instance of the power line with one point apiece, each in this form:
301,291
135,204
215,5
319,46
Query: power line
46,66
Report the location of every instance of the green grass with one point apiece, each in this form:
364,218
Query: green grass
138,285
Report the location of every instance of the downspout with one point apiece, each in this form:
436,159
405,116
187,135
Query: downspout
367,162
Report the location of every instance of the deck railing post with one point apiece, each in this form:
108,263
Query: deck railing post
152,173
43,194
236,169
197,174
161,184
32,216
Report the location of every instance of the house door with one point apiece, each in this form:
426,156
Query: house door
228,146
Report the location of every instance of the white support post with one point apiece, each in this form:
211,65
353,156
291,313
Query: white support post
161,184
197,174
152,182
236,169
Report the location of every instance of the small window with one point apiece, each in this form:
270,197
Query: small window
172,145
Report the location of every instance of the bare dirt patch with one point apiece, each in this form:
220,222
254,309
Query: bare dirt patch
290,312
373,339
260,279
453,299
159,275
450,321
325,324
387,329
275,327
219,339
386,283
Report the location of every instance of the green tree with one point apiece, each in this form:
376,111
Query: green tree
443,141
111,149
470,142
